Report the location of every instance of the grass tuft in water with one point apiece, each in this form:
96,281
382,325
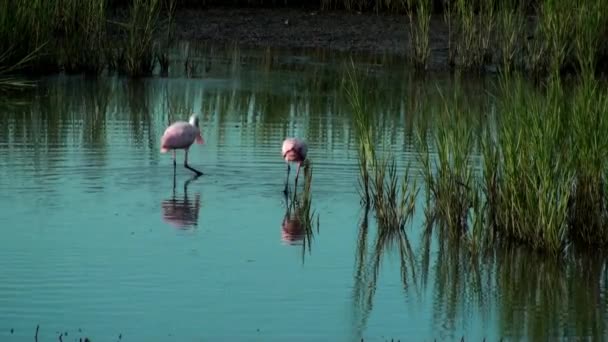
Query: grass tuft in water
511,30
588,205
535,181
420,31
447,174
475,28
82,25
363,130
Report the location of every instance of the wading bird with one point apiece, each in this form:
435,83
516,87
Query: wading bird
180,136
294,150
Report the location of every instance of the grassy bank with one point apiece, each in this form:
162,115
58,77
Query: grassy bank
132,37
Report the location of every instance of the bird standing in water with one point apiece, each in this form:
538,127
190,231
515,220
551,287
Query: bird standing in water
180,136
294,150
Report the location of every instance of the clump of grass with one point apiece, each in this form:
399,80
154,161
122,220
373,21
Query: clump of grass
591,25
588,211
474,33
448,176
535,182
393,206
511,32
9,80
420,31
551,41
82,25
363,130
140,30
299,216
26,28
378,180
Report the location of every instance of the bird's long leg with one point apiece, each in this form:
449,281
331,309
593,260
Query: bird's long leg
174,172
287,180
174,182
298,173
198,173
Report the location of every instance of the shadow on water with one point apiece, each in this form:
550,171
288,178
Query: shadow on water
182,211
298,226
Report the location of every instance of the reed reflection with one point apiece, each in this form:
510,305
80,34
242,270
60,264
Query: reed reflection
298,226
181,211
389,239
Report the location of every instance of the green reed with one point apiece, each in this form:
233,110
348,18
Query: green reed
363,130
535,181
393,204
25,31
474,33
588,207
420,31
83,31
550,47
447,174
300,210
140,31
511,30
591,25
378,180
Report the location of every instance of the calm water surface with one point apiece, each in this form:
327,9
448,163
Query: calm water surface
97,241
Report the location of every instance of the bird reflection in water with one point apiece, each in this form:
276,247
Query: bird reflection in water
182,211
298,221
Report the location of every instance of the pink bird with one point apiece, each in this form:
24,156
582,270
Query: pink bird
294,150
181,135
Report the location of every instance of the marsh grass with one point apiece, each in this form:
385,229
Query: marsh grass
535,181
447,173
82,26
591,25
393,203
474,33
511,30
306,214
420,31
300,219
541,176
356,98
588,214
25,33
140,31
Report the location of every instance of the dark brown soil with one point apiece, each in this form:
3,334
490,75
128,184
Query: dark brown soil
336,30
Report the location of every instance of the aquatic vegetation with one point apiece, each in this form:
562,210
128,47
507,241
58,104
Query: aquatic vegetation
541,177
25,30
511,30
447,173
474,34
141,30
393,206
363,130
534,183
82,27
420,31
299,221
588,212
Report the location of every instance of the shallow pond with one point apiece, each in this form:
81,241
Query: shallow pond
98,240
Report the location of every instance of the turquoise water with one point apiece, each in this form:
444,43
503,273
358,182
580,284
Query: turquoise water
98,241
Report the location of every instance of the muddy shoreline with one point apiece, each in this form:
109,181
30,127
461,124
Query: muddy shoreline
289,28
